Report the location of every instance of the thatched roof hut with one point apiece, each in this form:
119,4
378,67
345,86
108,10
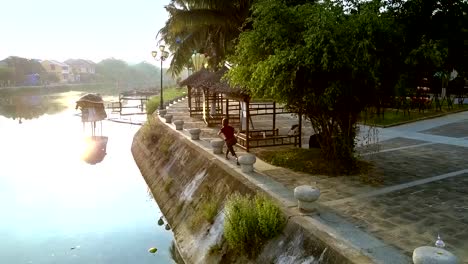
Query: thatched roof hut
213,82
195,78
231,92
92,108
204,78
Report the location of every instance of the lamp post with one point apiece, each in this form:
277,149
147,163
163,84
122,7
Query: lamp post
162,57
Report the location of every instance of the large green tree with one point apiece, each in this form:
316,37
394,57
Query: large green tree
206,26
435,37
131,76
325,60
6,74
22,67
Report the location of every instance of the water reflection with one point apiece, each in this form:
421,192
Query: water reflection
27,107
95,149
54,201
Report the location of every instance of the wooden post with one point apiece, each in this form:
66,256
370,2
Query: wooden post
274,115
227,107
300,129
247,110
189,99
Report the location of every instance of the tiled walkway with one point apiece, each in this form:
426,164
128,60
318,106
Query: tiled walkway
425,191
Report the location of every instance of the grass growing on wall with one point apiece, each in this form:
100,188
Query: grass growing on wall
207,209
168,94
250,222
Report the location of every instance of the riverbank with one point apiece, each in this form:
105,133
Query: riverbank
184,174
103,88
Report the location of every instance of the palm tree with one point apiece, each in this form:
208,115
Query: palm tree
206,26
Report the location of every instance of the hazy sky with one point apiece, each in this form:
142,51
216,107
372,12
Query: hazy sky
87,29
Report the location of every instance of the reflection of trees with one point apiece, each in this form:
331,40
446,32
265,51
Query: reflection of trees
28,106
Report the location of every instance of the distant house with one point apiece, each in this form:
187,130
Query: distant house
60,69
83,70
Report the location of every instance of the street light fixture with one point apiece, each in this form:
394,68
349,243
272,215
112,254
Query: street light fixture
162,57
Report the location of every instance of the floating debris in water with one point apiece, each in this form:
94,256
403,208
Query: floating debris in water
152,250
77,247
160,222
167,227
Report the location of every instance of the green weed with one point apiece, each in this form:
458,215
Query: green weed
250,222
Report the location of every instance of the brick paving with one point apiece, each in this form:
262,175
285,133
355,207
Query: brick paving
424,193
456,129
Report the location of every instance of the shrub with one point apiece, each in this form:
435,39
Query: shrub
250,223
152,105
148,130
270,217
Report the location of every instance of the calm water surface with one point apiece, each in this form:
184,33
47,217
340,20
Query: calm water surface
56,208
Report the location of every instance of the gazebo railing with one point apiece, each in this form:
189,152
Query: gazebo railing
265,138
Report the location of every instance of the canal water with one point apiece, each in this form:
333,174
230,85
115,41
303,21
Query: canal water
57,208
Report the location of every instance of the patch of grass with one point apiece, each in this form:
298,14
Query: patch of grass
179,208
214,249
308,161
210,210
250,222
391,117
168,184
168,94
148,130
165,145
206,212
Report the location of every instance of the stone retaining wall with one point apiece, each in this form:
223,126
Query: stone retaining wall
183,177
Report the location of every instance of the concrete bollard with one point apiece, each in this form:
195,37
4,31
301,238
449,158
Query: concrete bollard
179,124
195,133
306,196
168,118
162,112
217,145
433,255
246,162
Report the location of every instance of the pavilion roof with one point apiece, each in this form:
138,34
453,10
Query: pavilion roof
195,78
213,81
224,88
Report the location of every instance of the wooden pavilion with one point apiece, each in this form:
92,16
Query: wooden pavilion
214,99
249,136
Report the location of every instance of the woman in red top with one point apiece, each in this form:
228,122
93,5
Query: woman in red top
229,138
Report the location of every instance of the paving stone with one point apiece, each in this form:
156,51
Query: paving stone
406,218
456,129
415,222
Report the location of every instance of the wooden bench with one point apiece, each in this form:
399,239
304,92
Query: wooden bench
265,138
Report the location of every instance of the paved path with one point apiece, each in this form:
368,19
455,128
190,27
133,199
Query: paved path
424,166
